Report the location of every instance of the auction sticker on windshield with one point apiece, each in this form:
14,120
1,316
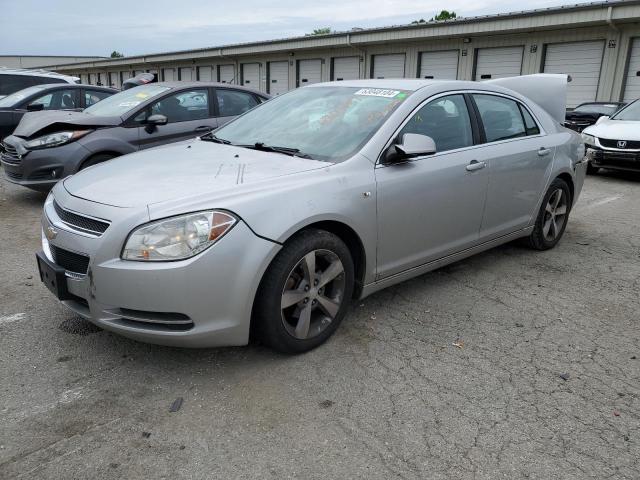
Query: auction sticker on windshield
377,92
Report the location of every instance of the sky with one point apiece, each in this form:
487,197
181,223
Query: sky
90,27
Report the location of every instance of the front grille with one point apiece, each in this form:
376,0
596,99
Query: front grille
631,144
622,160
10,154
71,261
80,222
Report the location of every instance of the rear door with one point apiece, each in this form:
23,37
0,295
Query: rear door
189,113
519,157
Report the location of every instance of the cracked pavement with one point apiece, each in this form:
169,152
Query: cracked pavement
510,364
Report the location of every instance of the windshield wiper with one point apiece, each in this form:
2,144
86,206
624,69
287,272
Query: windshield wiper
293,152
210,137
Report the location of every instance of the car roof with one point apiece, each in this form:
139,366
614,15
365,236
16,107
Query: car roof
181,84
36,73
600,103
388,83
72,86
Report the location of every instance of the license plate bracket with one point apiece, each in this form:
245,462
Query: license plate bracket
53,277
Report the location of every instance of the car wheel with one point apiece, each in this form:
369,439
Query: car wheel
552,218
591,170
305,292
103,157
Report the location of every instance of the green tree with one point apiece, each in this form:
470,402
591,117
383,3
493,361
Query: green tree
418,22
320,31
116,54
444,15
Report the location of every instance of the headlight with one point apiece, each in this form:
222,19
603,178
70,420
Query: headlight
55,139
588,139
177,238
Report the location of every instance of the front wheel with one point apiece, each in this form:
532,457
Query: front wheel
552,217
305,292
96,159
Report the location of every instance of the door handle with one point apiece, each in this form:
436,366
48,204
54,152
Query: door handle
475,165
544,151
204,128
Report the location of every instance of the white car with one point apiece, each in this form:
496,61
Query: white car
614,142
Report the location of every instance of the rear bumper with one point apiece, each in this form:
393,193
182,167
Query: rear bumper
614,159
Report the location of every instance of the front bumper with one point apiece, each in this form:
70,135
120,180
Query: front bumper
40,169
204,301
614,159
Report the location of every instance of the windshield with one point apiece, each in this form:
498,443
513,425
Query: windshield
604,109
325,123
15,98
630,112
123,102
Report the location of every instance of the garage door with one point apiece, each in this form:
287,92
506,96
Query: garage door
226,74
186,74
169,74
632,85
499,62
251,75
205,74
114,79
278,78
581,60
346,68
439,65
388,66
93,78
309,72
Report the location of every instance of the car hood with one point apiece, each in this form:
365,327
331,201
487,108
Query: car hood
615,130
588,116
181,170
54,121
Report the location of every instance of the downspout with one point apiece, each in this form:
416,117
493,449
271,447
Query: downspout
362,52
235,63
613,26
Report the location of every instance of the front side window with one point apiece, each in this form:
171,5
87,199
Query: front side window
126,101
16,98
183,106
94,96
326,123
446,120
504,118
58,100
232,102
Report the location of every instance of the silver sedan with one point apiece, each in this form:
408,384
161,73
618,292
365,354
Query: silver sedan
271,226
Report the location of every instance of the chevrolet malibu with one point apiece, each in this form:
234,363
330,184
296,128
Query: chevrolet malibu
272,224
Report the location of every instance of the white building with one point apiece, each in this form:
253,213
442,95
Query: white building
598,44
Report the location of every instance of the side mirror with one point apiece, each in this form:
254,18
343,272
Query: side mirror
413,145
35,107
156,120
602,119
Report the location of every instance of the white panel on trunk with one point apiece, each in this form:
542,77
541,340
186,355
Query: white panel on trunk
499,62
227,74
582,61
309,72
278,78
346,68
251,75
388,66
632,84
439,65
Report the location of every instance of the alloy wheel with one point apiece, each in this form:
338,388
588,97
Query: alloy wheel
312,294
555,215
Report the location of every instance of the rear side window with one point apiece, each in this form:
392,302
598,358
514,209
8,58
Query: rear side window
501,117
232,102
446,120
183,106
13,83
94,96
529,122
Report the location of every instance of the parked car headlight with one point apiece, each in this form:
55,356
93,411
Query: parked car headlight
177,238
55,139
588,139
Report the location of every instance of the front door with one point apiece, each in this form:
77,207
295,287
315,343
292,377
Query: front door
431,206
189,114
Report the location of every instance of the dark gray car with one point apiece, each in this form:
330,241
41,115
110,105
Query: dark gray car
47,146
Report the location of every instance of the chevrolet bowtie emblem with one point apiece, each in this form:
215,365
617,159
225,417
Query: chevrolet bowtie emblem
50,233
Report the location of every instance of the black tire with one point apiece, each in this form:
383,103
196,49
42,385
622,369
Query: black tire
539,239
592,170
271,323
96,159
